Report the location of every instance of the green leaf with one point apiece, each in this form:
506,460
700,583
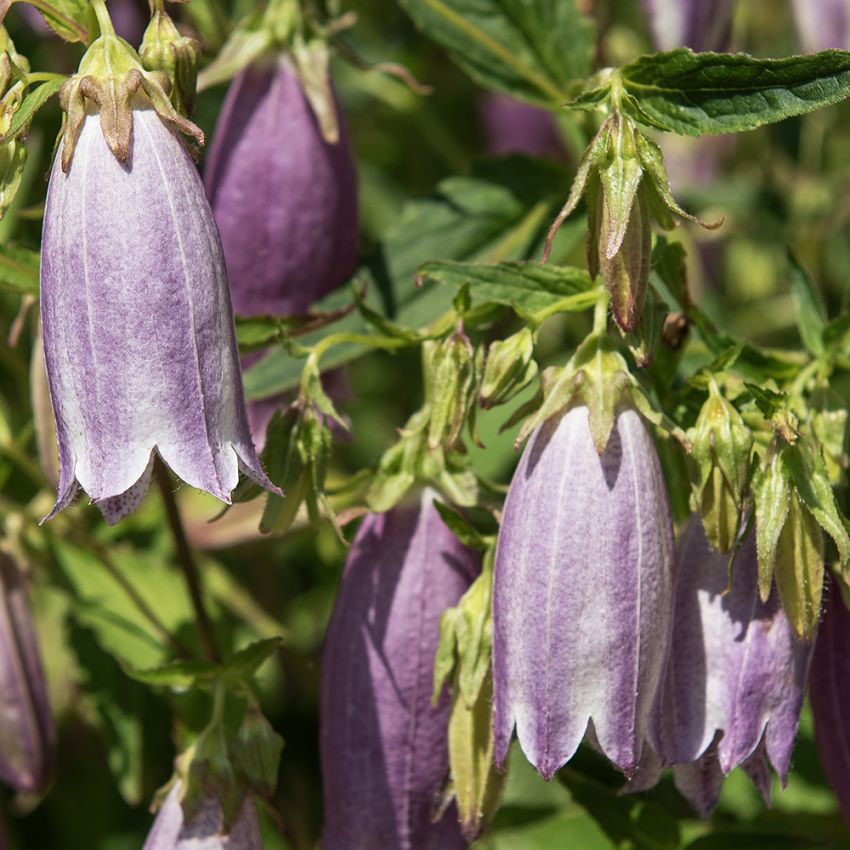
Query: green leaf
531,49
19,270
811,313
527,288
32,102
245,663
699,93
768,401
72,20
179,675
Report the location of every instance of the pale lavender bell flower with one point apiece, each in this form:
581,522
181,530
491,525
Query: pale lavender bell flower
702,25
137,324
582,593
384,747
735,679
822,24
513,127
829,690
285,200
27,735
205,831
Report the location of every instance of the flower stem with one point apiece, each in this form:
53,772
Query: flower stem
103,19
187,563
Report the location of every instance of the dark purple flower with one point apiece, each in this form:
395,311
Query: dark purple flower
829,690
583,586
822,24
703,25
384,747
285,199
736,676
137,324
27,734
511,126
204,831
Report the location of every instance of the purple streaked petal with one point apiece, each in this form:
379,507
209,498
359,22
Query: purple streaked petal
736,667
137,324
829,689
583,585
384,747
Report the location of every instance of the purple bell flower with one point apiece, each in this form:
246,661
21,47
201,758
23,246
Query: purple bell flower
513,127
735,679
702,25
822,24
204,831
285,199
27,734
582,593
829,689
384,747
137,324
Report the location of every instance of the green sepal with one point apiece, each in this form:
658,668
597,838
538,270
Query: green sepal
256,752
166,50
510,367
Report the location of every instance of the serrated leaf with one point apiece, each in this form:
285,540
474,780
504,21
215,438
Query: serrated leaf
33,101
69,19
768,401
699,93
531,49
19,268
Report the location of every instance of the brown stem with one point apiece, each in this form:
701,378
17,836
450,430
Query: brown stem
187,563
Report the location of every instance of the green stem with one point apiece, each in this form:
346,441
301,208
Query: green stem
187,564
600,313
103,19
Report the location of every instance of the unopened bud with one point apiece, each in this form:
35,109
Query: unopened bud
165,49
509,369
451,368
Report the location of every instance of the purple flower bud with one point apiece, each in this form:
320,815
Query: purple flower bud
583,586
384,748
697,24
736,676
203,832
137,324
285,200
830,692
822,24
26,724
511,126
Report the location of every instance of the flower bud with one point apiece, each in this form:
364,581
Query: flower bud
451,368
829,690
170,830
582,593
736,676
137,325
384,747
284,199
26,724
509,369
721,444
691,23
166,50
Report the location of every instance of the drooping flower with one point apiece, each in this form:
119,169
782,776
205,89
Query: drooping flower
137,323
170,831
700,25
829,689
822,24
511,126
384,747
736,675
582,593
27,733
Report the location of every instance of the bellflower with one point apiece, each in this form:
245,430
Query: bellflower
27,733
384,747
736,675
513,127
829,690
582,593
700,25
204,831
822,24
137,323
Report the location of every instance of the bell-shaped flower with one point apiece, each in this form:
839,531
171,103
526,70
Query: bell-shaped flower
582,593
696,24
137,323
27,733
829,690
206,830
511,126
736,676
384,746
